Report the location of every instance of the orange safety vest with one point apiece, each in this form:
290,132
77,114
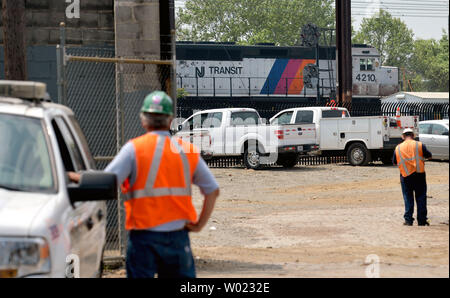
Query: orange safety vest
410,159
162,190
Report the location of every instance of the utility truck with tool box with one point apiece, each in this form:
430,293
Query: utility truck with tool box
242,132
49,227
361,139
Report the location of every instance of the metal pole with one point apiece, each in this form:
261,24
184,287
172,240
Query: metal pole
122,112
62,57
120,127
343,45
59,74
196,83
173,69
339,50
304,87
118,60
174,72
318,74
287,91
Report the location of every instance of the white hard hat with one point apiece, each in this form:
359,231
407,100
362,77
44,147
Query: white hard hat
408,130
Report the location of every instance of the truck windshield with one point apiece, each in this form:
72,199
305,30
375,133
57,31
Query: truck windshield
24,156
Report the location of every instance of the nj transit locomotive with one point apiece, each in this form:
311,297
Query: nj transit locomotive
226,69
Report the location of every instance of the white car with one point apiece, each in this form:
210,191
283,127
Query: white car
48,226
434,134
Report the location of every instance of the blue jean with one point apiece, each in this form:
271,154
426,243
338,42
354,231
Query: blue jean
415,185
166,253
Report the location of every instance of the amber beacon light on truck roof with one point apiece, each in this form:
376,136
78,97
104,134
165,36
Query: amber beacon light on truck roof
33,91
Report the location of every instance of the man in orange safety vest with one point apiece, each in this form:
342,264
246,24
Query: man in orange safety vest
156,172
410,157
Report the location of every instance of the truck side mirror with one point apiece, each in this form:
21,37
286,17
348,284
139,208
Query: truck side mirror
94,186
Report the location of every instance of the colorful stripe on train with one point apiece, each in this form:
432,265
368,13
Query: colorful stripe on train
286,75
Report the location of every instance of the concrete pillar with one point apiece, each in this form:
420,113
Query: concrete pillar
138,37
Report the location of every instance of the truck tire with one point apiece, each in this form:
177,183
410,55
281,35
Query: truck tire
358,155
288,161
252,157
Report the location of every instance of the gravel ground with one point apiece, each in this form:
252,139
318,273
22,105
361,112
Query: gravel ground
320,221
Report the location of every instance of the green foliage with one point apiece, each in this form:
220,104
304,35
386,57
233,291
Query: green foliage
181,93
251,21
281,22
424,62
428,65
389,35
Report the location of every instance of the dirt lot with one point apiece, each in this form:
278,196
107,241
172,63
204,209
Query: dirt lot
321,221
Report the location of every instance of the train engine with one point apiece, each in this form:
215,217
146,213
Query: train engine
225,69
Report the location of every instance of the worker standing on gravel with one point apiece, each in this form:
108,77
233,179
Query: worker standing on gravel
410,157
157,172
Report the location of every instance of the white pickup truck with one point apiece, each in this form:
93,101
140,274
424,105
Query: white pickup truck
361,139
49,227
242,132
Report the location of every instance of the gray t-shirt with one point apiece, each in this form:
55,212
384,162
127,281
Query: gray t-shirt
124,166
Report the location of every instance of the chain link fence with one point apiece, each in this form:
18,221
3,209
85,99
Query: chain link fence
106,95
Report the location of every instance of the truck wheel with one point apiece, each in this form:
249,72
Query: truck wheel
252,158
358,155
288,162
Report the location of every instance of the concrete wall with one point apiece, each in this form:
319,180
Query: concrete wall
41,64
94,27
133,27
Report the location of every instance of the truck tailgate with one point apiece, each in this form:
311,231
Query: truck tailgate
200,138
296,134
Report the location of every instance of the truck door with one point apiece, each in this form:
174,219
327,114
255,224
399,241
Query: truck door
240,123
192,131
304,117
213,124
84,229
